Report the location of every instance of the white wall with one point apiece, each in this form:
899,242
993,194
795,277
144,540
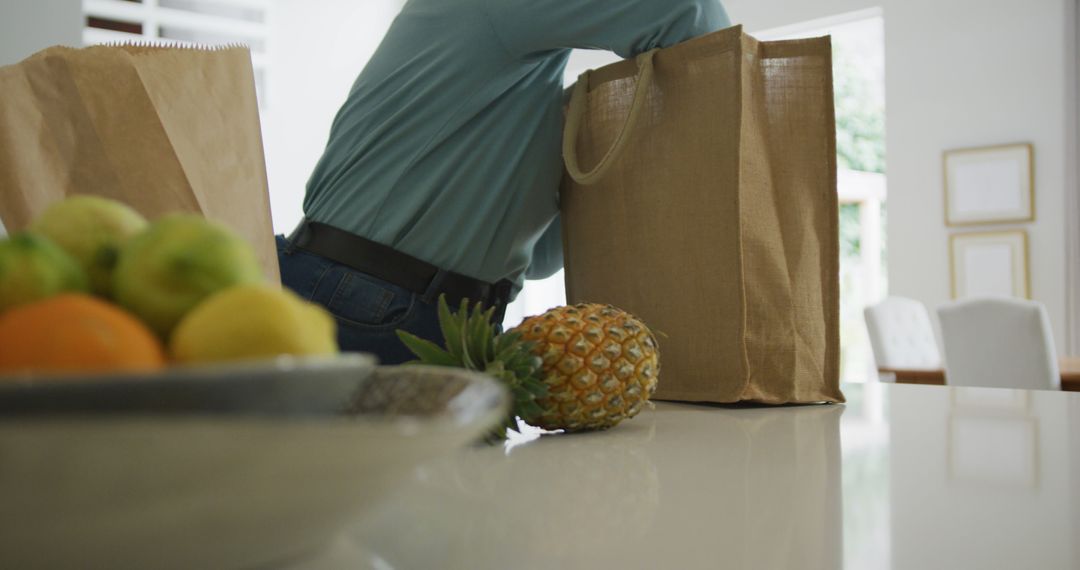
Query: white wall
317,48
30,26
964,73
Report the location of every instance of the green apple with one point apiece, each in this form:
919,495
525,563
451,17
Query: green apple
91,230
34,268
177,262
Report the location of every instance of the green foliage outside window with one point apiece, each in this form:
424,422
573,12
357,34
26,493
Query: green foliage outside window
860,145
860,121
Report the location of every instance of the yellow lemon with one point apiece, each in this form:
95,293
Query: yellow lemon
253,321
92,230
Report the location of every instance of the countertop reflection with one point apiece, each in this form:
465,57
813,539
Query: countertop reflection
902,477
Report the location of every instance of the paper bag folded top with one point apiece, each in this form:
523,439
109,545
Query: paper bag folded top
162,129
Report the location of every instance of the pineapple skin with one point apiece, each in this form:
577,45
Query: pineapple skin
600,365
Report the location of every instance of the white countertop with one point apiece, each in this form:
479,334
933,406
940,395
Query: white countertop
902,477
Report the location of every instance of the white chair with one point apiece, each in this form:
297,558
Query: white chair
999,343
901,335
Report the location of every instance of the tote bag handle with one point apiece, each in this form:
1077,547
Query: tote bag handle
576,112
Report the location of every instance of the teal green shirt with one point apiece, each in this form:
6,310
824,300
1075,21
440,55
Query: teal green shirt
448,147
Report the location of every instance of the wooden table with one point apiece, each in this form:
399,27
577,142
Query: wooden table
1069,365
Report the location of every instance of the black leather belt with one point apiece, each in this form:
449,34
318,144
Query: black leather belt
399,268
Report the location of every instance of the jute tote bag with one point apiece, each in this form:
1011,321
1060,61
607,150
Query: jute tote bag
701,196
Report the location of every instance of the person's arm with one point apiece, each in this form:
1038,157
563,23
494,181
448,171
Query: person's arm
626,27
547,258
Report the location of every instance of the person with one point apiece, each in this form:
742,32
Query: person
442,168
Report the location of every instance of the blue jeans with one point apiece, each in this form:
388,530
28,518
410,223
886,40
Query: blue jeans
367,309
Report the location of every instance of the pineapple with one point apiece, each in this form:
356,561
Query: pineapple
600,365
572,368
471,343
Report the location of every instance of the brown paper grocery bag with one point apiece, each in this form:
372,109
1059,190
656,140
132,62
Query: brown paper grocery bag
701,196
163,129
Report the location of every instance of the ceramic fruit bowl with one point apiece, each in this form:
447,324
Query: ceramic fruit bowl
234,466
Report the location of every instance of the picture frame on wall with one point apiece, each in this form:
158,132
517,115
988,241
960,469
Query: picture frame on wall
987,185
989,264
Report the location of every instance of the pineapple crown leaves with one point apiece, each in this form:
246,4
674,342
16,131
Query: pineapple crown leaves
471,342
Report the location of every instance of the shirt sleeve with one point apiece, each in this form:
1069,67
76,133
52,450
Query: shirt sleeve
547,258
626,27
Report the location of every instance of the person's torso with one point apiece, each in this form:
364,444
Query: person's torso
447,148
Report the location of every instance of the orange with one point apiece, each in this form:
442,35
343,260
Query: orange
75,333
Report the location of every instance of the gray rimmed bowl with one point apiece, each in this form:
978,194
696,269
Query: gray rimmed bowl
219,467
